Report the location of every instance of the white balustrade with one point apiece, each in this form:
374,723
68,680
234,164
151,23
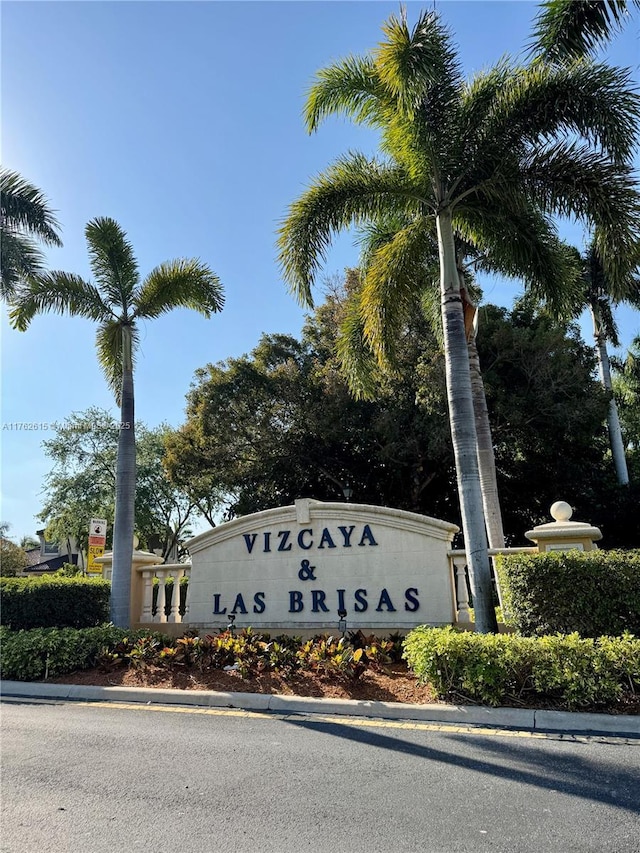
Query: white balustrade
166,579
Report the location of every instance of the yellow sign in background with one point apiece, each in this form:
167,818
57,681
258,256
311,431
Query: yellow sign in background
97,541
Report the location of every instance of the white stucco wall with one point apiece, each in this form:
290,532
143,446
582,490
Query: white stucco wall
381,559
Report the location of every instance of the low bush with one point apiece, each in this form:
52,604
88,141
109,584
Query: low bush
43,653
49,652
54,602
563,671
594,593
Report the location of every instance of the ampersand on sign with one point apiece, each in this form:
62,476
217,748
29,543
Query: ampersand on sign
306,571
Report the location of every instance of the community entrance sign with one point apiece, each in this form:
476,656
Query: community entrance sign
305,566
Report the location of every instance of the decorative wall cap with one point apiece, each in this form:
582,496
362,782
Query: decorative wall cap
307,510
562,528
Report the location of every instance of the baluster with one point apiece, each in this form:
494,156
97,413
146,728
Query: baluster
147,597
462,592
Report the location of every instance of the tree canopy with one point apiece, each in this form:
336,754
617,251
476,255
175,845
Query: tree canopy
279,423
81,483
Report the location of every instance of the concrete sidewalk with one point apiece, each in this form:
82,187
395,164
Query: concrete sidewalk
513,718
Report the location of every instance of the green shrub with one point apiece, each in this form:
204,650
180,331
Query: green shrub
54,602
563,671
50,652
595,593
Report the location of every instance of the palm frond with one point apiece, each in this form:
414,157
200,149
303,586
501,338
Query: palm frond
394,280
112,261
572,180
351,87
179,284
350,192
357,362
58,293
596,103
109,347
411,63
20,259
569,29
519,241
25,208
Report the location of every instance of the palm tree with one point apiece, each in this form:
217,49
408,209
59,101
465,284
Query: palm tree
566,31
117,302
598,297
360,371
25,216
573,29
513,145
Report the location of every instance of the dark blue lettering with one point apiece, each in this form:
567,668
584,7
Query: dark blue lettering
326,537
258,602
341,593
238,604
250,539
385,599
317,599
295,601
346,535
412,603
301,538
216,605
368,535
267,542
284,538
361,603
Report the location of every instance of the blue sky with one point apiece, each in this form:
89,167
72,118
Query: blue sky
182,121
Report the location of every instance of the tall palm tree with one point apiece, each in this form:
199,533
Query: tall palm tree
513,144
117,302
574,29
566,31
25,216
600,297
360,372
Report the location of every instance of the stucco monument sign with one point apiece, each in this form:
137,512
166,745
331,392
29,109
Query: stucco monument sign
297,567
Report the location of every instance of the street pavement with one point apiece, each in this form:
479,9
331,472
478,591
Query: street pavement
98,776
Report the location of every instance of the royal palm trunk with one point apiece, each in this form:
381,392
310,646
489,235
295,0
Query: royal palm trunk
125,495
463,430
613,421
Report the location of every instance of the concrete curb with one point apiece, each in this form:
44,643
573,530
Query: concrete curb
512,718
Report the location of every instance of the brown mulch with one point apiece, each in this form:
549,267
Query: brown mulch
395,684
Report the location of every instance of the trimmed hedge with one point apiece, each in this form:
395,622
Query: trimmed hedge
54,602
495,669
595,593
49,652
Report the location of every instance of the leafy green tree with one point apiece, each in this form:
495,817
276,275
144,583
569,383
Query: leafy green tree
566,30
514,145
81,483
25,217
13,558
280,423
118,301
547,413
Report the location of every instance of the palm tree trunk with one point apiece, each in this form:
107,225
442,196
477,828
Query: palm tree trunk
125,495
463,430
486,456
613,421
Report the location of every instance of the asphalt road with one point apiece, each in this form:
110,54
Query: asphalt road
92,778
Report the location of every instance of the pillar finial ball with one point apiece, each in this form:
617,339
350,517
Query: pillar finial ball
561,511
136,541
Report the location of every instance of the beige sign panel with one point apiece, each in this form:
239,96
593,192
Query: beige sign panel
303,565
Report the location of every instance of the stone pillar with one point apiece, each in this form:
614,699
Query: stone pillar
139,560
561,534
